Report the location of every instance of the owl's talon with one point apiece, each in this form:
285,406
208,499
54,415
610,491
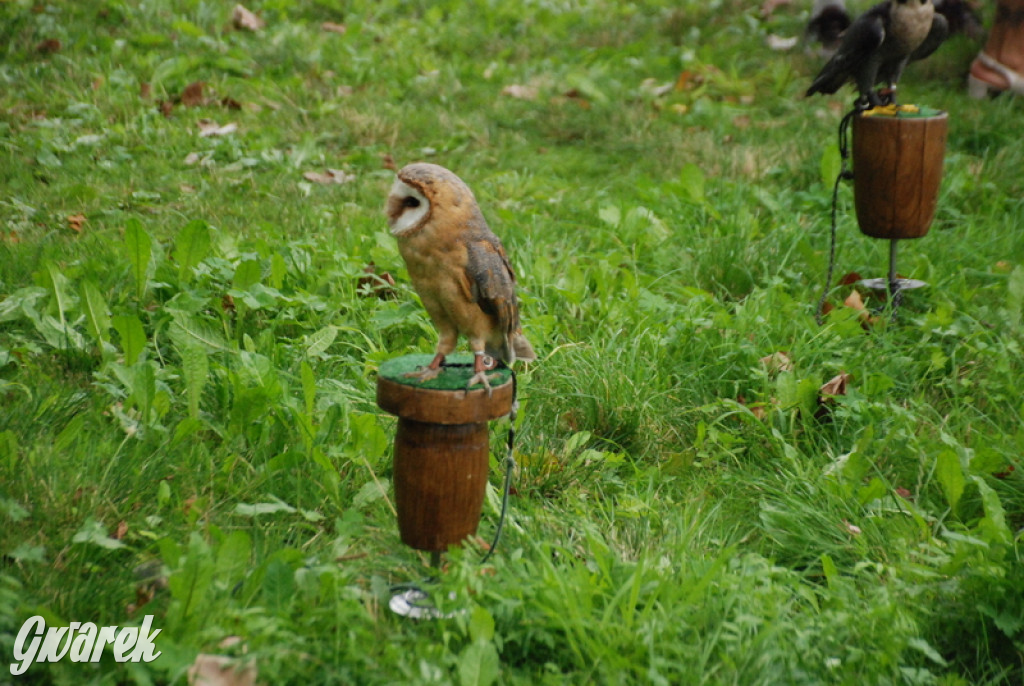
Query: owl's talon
423,374
481,378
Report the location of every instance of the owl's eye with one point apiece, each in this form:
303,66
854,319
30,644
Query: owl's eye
410,201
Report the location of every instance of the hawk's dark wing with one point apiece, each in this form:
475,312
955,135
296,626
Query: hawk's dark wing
859,43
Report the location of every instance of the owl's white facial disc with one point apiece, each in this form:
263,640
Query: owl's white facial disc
406,208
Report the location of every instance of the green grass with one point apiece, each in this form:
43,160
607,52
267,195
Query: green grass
188,381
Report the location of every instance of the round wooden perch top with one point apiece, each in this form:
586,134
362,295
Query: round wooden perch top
897,167
445,399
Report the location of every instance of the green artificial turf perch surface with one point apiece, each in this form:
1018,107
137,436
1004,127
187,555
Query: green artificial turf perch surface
453,378
922,112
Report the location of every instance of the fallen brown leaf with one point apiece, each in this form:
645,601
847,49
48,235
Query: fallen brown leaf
166,106
145,90
520,92
1005,474
777,362
192,96
208,127
122,529
855,302
75,222
351,557
651,85
242,18
781,43
835,386
573,95
230,103
143,595
757,409
769,6
227,303
151,579
48,46
849,279
381,285
829,391
219,670
331,176
331,27
388,161
684,81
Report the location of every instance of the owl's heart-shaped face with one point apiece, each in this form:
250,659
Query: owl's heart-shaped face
407,208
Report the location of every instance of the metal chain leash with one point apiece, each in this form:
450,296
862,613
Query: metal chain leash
847,174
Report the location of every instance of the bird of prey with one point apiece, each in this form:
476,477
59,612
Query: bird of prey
458,267
877,47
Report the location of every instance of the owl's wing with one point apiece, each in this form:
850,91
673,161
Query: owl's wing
491,281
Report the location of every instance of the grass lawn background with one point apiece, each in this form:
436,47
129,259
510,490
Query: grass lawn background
189,345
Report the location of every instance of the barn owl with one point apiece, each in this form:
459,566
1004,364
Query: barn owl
878,45
458,267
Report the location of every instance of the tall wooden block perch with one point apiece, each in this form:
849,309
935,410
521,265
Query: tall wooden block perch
897,167
442,447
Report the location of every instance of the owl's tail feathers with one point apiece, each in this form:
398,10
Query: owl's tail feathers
522,348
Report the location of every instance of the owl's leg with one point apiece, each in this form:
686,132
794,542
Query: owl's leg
445,345
480,369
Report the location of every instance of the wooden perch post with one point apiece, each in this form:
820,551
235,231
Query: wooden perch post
897,168
442,448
